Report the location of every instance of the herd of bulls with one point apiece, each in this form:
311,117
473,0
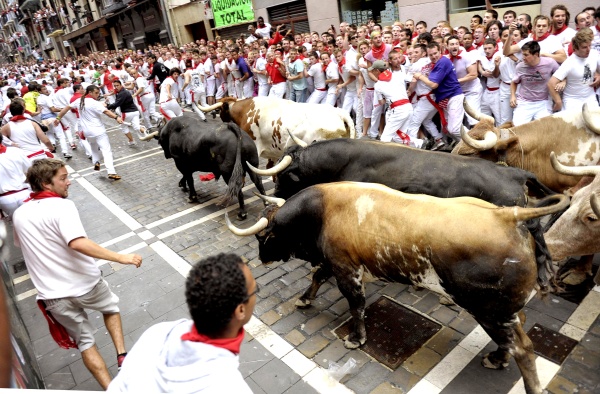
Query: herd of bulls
457,224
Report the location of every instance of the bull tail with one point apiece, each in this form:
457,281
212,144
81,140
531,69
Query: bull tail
236,181
524,214
349,124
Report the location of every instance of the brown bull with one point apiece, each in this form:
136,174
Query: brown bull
573,135
476,253
577,231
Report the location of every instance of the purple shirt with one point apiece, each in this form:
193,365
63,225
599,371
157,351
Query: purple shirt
532,80
444,75
243,67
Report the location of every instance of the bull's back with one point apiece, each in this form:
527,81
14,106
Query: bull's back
431,242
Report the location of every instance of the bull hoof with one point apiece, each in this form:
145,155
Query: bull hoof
242,215
348,344
491,362
574,278
193,198
300,303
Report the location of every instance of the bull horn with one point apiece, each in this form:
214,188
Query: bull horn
297,140
573,170
271,200
210,107
595,203
588,118
475,115
488,142
254,229
276,169
148,137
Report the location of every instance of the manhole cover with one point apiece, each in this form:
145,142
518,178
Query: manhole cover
394,332
550,344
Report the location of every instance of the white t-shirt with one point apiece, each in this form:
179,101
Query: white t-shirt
142,83
550,44
168,84
209,70
43,229
394,89
265,32
423,66
332,73
490,65
90,116
318,76
565,37
14,163
62,98
579,73
44,103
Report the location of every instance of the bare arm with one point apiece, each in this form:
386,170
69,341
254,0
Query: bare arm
513,94
554,94
427,81
42,136
471,73
90,248
559,56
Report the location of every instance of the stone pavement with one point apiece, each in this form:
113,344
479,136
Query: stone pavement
287,350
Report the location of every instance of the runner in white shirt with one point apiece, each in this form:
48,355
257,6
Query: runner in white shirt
489,68
508,65
578,70
169,106
90,115
194,88
209,73
234,88
62,98
332,77
55,131
366,85
317,74
144,98
560,25
264,29
261,75
13,186
550,46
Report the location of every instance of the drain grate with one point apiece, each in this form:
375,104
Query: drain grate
19,267
394,332
550,344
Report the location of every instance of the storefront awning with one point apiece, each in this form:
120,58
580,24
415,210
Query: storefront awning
85,29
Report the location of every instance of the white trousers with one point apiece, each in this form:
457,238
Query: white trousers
170,109
506,111
455,113
490,104
101,148
577,103
396,124
474,100
526,111
149,109
277,90
330,99
134,119
248,88
350,102
10,203
359,115
423,113
263,90
317,96
375,119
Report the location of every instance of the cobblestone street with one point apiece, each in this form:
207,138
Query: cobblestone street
286,350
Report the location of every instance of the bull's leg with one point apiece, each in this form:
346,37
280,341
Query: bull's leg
182,184
192,196
351,286
320,276
242,212
512,340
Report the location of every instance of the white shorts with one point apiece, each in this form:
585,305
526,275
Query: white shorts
526,111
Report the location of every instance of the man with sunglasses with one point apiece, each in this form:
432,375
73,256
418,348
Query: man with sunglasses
199,354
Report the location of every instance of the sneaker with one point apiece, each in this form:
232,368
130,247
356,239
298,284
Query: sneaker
73,146
97,166
131,143
427,144
439,144
120,359
67,155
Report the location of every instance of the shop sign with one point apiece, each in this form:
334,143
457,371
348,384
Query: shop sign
232,12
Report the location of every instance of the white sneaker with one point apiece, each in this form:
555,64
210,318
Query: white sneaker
130,143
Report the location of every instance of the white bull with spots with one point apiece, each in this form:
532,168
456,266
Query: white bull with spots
269,121
476,253
573,135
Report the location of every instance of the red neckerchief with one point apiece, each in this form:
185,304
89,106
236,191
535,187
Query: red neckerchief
2,149
570,49
341,64
88,96
542,38
385,76
42,195
325,67
82,72
452,58
597,28
557,32
498,41
261,26
490,58
57,89
446,52
231,344
395,42
378,52
472,48
17,117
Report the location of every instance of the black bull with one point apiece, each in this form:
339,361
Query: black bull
411,171
478,254
223,152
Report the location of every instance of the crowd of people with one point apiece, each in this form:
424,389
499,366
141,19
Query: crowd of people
404,83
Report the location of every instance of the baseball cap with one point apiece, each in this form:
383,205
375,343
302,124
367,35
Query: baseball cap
378,65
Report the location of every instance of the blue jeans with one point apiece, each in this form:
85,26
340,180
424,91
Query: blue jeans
297,95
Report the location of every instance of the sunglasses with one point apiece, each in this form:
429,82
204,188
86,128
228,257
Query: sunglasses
256,290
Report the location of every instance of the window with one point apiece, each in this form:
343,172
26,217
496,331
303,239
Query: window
458,6
294,15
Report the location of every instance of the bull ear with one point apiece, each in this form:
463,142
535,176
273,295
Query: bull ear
503,145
